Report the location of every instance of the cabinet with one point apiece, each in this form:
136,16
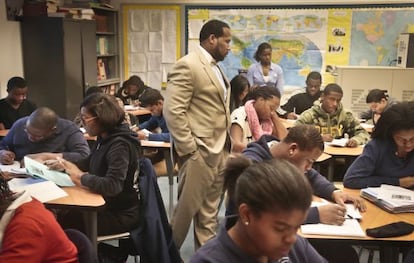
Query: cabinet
356,82
107,48
59,61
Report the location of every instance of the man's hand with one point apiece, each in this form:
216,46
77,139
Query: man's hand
332,214
351,143
341,198
7,157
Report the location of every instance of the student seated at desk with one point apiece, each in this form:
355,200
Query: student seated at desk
15,105
29,232
272,201
131,90
378,101
43,135
153,101
110,168
302,146
96,89
332,120
257,117
389,157
300,102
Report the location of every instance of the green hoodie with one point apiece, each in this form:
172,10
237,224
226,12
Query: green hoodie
337,124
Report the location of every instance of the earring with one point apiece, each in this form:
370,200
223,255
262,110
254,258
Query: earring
246,223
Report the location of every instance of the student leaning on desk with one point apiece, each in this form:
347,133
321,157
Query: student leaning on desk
152,100
333,120
272,201
389,157
29,232
302,146
109,170
43,135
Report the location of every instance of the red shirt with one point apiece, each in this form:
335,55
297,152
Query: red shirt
33,235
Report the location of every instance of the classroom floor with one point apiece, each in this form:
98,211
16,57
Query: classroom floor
187,250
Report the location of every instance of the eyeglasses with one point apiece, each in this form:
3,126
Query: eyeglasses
87,120
40,135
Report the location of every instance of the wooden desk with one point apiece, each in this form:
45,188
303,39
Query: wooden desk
88,202
374,217
165,147
338,152
324,157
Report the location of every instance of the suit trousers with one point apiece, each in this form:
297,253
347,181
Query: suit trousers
199,192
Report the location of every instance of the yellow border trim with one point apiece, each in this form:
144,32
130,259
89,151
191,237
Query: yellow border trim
125,10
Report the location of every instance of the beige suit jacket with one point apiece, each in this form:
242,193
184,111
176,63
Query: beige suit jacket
196,112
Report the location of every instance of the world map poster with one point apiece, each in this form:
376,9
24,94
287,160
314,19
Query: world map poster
305,40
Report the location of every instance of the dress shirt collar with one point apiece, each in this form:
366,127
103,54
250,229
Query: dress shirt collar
208,56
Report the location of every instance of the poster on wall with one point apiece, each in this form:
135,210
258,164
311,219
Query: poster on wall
305,39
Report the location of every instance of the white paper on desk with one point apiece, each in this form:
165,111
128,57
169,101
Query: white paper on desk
338,142
146,132
350,228
10,167
396,194
367,125
38,169
40,189
130,107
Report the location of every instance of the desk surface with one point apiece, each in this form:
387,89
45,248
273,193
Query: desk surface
374,217
155,144
344,151
80,197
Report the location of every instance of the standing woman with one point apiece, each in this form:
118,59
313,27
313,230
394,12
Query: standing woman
110,168
264,72
273,198
389,157
240,86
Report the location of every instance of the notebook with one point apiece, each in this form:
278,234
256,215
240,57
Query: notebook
38,169
350,228
393,199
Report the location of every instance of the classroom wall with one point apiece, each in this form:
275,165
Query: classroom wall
10,47
10,50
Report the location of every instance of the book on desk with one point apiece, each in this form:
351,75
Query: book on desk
393,199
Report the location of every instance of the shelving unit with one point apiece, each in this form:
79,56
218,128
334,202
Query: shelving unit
59,61
107,49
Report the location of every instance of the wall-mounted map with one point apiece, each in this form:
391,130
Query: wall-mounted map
304,40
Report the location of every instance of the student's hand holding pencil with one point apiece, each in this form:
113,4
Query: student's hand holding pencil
7,157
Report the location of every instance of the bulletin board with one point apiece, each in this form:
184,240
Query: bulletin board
151,41
307,38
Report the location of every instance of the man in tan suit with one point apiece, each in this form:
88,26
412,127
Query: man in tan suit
196,110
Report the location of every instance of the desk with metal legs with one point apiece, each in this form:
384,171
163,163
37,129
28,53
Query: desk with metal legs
165,148
87,202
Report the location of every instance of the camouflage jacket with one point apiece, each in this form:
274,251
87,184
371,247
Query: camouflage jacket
337,124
